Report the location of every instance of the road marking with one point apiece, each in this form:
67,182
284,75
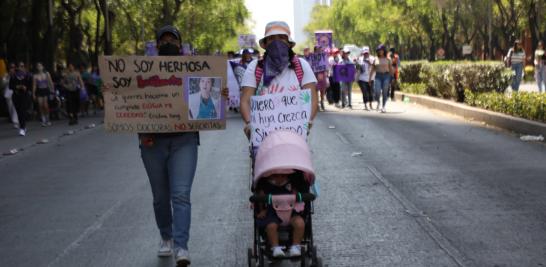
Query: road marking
424,221
87,233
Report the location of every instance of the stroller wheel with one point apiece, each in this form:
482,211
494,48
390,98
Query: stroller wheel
314,256
304,261
251,260
261,259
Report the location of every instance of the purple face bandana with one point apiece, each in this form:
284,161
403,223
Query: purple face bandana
276,60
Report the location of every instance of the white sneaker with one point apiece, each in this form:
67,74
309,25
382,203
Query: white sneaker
182,258
22,132
295,251
165,248
277,252
383,110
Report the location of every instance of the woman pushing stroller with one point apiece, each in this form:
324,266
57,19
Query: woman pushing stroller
282,172
283,176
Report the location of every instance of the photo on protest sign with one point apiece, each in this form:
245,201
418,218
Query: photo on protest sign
203,95
324,39
151,94
344,73
289,110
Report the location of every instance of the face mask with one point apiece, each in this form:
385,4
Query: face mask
168,49
276,61
277,55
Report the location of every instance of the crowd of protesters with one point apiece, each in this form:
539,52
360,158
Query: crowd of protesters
35,93
377,77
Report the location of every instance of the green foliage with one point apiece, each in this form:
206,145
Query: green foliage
529,73
409,71
417,28
527,105
77,32
450,79
414,88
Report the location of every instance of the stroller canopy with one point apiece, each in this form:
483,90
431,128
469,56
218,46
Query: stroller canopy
281,152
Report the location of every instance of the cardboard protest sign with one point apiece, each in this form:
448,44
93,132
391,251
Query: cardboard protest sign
236,72
288,110
324,39
318,61
246,40
163,93
344,73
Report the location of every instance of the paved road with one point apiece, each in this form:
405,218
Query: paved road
428,190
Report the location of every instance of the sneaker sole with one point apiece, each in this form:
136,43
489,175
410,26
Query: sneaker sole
182,263
164,254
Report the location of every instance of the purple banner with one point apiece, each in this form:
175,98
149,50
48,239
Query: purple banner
318,61
324,39
344,73
150,50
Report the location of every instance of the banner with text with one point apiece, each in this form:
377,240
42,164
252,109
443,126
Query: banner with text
344,73
235,73
319,62
247,40
163,93
288,110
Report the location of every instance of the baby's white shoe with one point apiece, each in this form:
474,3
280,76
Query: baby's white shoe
277,252
295,251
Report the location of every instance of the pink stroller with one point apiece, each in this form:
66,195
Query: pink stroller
283,152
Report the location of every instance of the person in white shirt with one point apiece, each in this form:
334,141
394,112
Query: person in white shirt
365,63
333,93
279,71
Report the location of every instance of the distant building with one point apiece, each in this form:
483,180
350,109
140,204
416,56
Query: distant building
302,16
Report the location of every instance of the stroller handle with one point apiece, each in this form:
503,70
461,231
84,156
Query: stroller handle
305,197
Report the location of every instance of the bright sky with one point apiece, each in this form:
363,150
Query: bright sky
264,11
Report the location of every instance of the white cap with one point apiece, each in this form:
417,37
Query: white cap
346,50
365,49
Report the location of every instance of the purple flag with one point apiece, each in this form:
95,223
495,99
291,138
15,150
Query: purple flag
344,73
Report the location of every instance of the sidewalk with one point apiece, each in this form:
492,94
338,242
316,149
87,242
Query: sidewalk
10,139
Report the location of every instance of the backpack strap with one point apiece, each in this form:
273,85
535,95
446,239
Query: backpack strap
258,73
298,69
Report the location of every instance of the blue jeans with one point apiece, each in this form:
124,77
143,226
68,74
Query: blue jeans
346,93
518,68
170,162
381,86
540,76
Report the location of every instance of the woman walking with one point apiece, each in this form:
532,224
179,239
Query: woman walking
382,68
364,81
540,69
42,87
21,84
72,82
280,69
516,60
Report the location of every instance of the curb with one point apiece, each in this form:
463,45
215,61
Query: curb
515,124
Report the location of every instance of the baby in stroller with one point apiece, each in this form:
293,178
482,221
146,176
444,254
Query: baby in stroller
281,182
283,175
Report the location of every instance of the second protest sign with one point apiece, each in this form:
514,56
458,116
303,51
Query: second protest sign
281,111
